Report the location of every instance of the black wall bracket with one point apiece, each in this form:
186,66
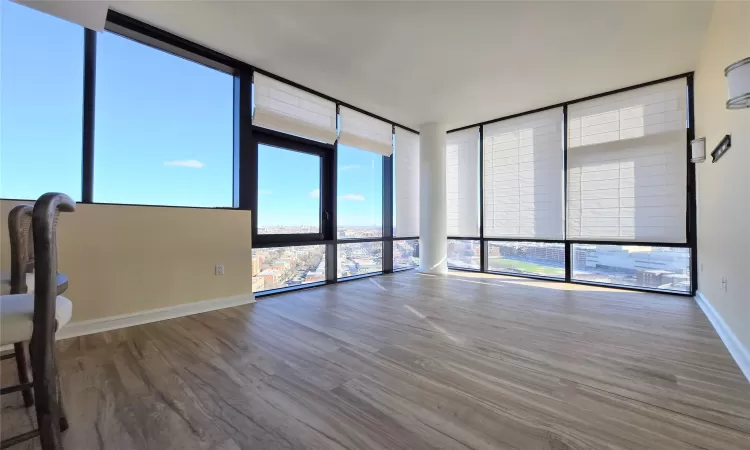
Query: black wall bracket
722,148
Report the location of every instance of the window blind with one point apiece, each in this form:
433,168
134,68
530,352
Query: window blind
285,108
627,166
406,160
462,182
365,133
523,177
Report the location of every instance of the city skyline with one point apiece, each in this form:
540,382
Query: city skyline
280,267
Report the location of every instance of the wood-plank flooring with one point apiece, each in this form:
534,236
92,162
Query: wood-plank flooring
409,361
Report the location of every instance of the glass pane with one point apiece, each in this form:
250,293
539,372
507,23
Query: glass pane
358,258
463,254
280,267
41,99
628,265
527,258
288,191
164,128
405,254
360,193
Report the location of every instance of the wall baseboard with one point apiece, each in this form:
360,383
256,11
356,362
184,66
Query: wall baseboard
738,351
84,327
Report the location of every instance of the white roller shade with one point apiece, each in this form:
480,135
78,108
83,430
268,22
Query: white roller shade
462,182
285,108
523,177
365,133
406,160
627,166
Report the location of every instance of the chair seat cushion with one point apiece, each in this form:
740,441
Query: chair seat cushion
17,316
5,285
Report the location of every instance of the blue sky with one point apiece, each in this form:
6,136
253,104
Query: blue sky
289,187
163,130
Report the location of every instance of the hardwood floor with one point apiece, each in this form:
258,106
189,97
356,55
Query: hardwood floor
409,361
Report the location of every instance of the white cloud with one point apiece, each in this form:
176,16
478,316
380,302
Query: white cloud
191,163
264,192
315,193
350,167
352,197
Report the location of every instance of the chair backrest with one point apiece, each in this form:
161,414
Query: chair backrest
21,247
44,225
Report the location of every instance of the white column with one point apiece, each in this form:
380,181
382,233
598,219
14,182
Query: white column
433,216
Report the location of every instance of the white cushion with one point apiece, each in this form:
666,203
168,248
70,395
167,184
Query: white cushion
5,284
17,316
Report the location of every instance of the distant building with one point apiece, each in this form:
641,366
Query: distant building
255,265
259,284
549,254
271,278
651,278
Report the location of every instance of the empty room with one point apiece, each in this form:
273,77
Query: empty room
237,225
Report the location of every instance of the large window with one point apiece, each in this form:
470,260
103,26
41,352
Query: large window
360,193
288,191
41,99
627,166
164,128
134,116
523,177
609,205
527,258
360,258
663,268
282,267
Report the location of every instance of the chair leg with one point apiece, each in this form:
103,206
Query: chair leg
22,364
46,395
64,425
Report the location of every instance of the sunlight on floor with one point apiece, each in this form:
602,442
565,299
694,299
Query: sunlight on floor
438,328
499,280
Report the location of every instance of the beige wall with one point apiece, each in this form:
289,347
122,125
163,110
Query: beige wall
126,259
724,187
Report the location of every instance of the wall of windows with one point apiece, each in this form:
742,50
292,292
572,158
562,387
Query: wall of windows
135,115
597,190
144,117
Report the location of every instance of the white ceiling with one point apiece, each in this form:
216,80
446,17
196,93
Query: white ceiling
456,63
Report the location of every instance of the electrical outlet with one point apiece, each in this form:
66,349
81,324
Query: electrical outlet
724,284
701,267
220,269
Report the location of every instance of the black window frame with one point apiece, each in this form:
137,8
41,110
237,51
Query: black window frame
89,101
690,192
261,136
247,136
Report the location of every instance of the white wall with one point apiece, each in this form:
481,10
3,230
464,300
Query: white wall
724,187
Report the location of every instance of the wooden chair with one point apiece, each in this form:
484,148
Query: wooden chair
21,278
36,318
21,275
